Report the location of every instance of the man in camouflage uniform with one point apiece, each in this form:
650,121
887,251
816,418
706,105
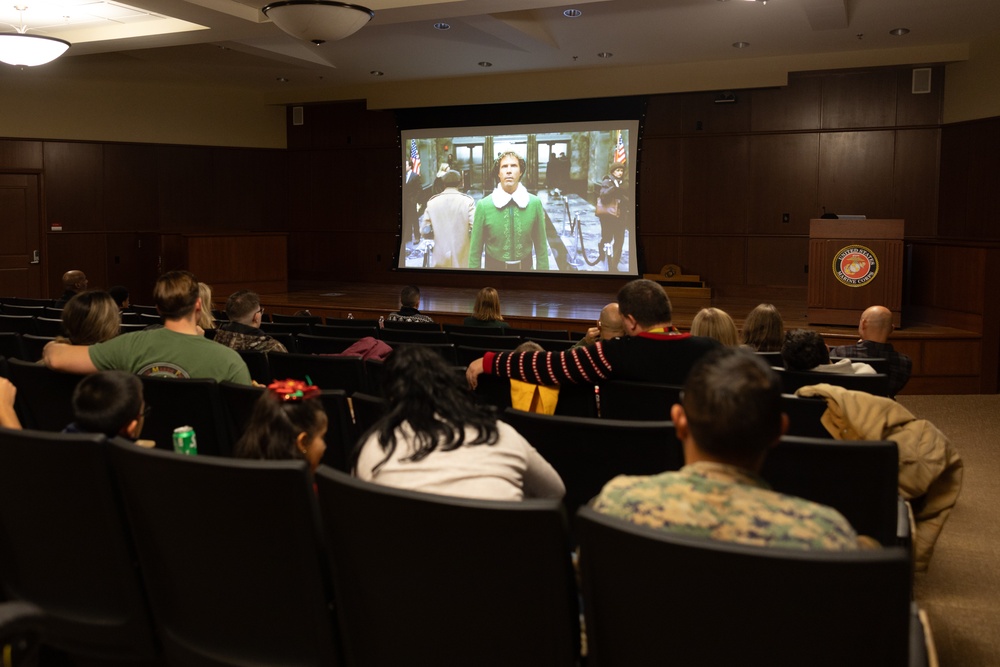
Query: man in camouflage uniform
242,331
730,415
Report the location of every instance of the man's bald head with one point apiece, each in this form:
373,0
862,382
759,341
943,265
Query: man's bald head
74,280
876,324
611,322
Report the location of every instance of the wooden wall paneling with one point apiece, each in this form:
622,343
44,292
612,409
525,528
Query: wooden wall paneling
920,108
859,99
86,251
957,151
714,184
784,178
658,204
664,115
915,176
777,261
74,185
702,114
245,181
228,262
353,255
951,357
129,184
719,260
658,250
17,154
133,262
983,179
377,204
797,106
855,173
185,188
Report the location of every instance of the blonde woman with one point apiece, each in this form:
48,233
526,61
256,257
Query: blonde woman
486,311
717,324
90,317
205,318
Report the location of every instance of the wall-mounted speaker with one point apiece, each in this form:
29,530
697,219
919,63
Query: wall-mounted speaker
298,114
921,81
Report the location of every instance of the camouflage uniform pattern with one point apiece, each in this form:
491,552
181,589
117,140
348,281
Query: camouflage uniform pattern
254,342
726,503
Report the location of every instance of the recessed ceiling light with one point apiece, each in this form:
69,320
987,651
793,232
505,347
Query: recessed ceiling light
376,72
442,26
485,63
281,79
899,32
572,13
741,45
604,54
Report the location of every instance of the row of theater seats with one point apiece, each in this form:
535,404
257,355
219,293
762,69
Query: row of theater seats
116,552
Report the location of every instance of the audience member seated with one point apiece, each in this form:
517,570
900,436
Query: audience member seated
874,329
109,402
409,299
717,324
435,438
729,417
120,294
533,397
652,350
805,350
205,319
8,394
609,326
288,422
176,350
89,318
242,331
486,310
74,282
763,329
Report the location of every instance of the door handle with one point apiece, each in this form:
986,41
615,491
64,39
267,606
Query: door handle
34,257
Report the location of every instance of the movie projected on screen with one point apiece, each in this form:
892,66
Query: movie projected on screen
554,198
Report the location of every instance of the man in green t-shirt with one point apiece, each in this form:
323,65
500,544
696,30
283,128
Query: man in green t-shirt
179,349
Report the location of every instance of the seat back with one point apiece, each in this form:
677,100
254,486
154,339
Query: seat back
11,345
354,333
193,402
412,326
773,359
35,345
22,324
587,453
257,364
44,396
396,337
230,552
347,373
549,334
280,318
645,401
877,385
880,364
239,401
486,341
857,478
312,344
649,595
497,574
49,326
367,410
65,545
465,329
285,327
18,309
804,414
552,345
351,322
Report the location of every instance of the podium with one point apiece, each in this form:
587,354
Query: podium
854,264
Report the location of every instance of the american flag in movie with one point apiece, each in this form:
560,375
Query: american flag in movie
619,148
415,156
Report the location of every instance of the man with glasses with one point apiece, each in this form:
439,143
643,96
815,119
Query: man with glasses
110,402
242,331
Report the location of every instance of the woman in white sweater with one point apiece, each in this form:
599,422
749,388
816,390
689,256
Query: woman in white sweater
435,438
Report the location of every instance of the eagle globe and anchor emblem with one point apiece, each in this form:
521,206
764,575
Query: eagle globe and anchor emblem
855,265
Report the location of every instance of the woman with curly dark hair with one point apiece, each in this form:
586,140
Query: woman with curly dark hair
435,438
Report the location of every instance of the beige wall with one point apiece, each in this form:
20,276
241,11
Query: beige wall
972,91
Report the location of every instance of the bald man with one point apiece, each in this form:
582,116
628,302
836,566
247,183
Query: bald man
74,282
874,328
609,325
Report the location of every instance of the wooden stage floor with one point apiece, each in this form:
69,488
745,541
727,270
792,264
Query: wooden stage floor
562,310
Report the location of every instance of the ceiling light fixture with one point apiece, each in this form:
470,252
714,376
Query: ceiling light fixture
604,54
376,72
572,13
21,49
485,63
899,32
741,45
442,26
318,21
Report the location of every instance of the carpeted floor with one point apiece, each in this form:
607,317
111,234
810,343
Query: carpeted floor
961,589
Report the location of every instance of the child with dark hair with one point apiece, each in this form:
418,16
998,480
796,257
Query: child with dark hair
288,422
435,438
109,402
